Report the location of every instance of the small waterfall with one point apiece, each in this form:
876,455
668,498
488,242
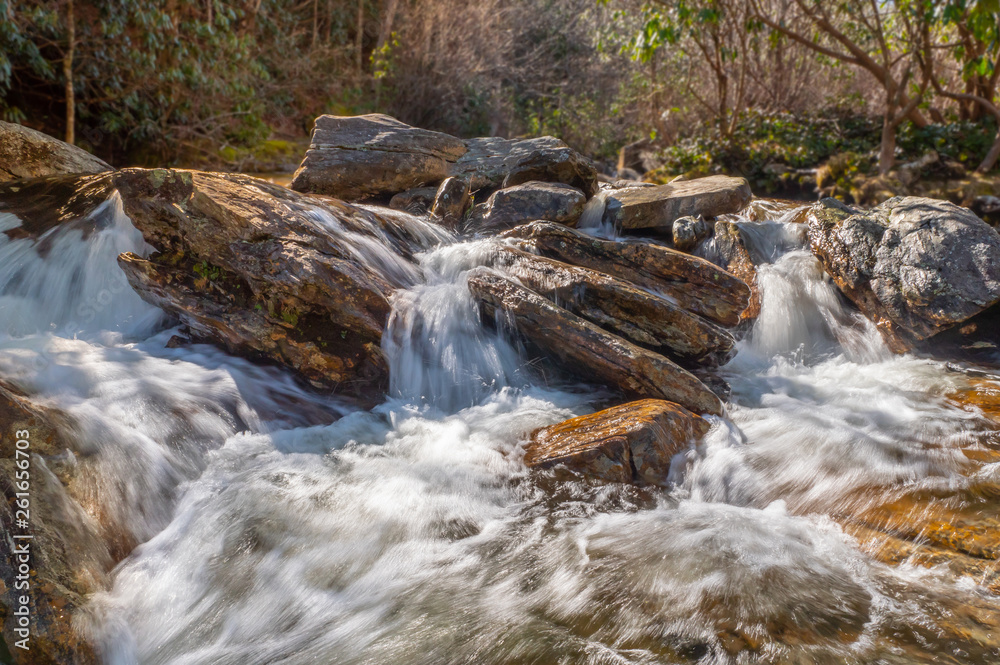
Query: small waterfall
439,352
62,283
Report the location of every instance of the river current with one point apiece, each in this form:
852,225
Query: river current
275,525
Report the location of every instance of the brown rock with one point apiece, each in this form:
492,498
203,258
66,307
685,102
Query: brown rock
41,204
451,201
693,283
622,308
583,349
371,155
25,153
509,207
735,258
658,207
245,264
414,201
67,560
688,232
632,442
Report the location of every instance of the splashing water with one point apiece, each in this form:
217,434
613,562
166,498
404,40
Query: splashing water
267,530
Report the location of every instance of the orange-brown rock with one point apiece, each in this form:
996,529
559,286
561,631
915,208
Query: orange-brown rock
622,308
692,283
583,349
67,559
632,442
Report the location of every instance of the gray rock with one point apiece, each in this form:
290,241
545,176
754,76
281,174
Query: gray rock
493,163
25,153
659,207
373,155
415,201
914,266
531,201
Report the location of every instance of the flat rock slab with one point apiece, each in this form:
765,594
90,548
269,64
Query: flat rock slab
631,442
658,207
690,282
506,208
914,266
255,268
621,307
583,349
25,153
357,157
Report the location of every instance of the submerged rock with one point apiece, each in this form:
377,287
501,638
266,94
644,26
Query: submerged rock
68,558
415,201
914,266
41,204
510,207
583,349
375,155
692,283
25,153
632,442
622,308
659,207
259,270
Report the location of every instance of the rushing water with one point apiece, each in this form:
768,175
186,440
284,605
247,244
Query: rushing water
272,525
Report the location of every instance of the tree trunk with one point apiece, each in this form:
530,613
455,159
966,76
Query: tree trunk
68,74
360,36
210,12
315,36
887,151
390,17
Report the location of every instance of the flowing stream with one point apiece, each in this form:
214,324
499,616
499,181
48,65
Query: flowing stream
273,525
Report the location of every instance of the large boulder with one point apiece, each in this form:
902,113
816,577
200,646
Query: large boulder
265,272
67,558
583,349
631,442
493,163
25,153
658,207
914,266
693,283
369,155
506,208
621,308
375,155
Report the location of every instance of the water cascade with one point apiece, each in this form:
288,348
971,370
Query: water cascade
271,524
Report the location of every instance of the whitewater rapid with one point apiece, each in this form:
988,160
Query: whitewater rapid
274,525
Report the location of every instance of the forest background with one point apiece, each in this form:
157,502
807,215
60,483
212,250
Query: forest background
768,89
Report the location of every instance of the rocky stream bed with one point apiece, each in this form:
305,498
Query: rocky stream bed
455,401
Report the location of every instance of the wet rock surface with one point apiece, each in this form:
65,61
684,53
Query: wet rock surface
660,206
622,308
584,349
692,283
632,442
68,557
735,258
914,266
26,153
248,265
